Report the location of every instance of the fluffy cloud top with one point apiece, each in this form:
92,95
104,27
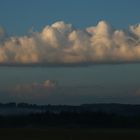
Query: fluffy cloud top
61,43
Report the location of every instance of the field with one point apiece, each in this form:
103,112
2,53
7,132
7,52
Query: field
68,134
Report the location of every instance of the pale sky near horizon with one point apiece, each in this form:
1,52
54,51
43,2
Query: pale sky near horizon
74,85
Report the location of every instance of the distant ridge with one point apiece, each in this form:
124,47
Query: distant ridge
113,108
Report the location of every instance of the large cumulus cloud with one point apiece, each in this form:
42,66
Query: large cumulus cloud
61,43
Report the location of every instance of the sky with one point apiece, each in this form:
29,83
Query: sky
18,17
69,51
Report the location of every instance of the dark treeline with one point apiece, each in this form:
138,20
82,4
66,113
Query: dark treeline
113,108
27,105
87,115
13,104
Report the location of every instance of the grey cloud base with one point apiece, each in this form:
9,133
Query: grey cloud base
61,43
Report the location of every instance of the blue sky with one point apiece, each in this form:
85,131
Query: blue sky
18,16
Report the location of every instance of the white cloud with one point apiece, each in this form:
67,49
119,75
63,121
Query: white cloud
135,29
61,43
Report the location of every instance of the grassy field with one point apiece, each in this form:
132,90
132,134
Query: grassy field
69,134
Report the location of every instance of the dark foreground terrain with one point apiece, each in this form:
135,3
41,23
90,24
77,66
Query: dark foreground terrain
69,134
85,122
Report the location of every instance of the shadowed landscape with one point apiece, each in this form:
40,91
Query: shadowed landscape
54,122
69,134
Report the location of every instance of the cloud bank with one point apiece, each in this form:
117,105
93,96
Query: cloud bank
62,43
